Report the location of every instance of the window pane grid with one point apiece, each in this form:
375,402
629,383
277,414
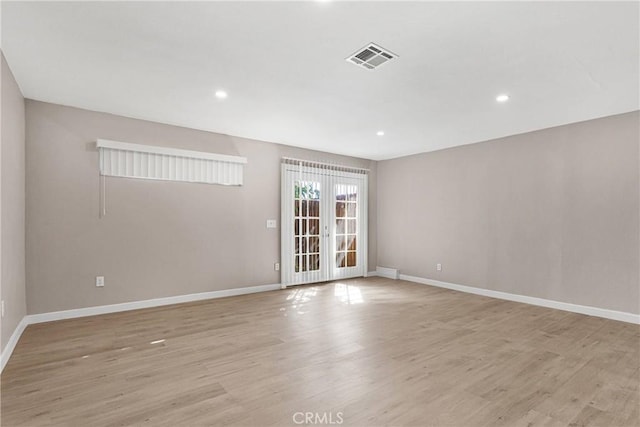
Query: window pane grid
306,227
346,206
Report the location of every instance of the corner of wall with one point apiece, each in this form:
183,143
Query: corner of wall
12,209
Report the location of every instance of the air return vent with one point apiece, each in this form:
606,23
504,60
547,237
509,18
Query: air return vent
371,57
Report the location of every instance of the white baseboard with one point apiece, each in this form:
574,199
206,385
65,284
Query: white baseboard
371,274
115,308
136,305
11,344
565,306
389,273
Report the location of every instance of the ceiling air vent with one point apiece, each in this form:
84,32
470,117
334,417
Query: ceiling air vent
371,56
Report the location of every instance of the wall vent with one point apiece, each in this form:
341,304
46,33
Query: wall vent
371,57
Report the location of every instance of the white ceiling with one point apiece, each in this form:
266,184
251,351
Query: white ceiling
283,65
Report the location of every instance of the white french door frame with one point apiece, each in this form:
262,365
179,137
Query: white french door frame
328,178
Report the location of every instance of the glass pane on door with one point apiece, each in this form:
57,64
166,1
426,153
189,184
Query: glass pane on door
306,226
346,208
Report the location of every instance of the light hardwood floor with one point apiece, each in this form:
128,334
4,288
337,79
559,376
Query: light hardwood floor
379,352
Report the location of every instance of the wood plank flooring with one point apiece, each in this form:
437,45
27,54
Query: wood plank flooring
368,352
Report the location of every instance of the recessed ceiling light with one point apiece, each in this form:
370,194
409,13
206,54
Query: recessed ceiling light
380,133
220,94
502,98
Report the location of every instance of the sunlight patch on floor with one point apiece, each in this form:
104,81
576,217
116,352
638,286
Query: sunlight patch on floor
348,294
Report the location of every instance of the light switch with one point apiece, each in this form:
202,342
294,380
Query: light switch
272,223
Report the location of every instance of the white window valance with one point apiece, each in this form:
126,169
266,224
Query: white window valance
128,160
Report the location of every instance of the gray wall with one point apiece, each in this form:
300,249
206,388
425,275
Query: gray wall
158,238
551,214
12,204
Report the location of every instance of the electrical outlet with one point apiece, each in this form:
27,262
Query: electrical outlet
2,308
99,281
272,223
439,267
276,266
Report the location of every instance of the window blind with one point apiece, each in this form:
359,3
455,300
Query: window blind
122,159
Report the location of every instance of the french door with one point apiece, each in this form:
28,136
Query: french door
324,224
